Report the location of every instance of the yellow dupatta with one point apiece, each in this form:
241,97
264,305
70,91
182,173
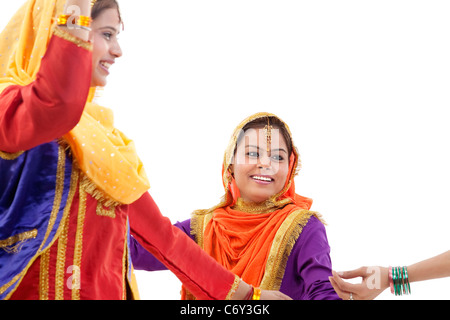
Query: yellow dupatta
104,154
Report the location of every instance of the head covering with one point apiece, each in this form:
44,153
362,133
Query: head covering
241,236
104,154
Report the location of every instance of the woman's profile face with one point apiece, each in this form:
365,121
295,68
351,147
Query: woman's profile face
260,167
105,29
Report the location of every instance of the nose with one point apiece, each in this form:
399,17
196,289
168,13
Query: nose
264,162
116,50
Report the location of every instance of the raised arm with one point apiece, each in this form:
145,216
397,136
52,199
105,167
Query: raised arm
52,104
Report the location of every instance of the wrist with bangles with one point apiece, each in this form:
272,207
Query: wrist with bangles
253,294
81,22
398,281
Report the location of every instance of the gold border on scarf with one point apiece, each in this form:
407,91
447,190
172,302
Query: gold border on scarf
281,248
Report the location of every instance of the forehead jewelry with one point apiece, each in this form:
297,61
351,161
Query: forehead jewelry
93,2
268,132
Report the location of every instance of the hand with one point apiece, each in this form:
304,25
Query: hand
374,281
273,295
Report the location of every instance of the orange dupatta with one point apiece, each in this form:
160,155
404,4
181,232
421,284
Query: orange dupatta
253,240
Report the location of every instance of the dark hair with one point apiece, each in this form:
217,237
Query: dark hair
261,123
101,5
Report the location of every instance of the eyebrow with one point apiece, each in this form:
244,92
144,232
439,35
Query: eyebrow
279,149
110,28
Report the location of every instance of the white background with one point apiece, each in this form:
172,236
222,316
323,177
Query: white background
364,86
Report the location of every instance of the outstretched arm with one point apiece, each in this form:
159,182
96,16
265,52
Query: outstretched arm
376,279
52,104
199,272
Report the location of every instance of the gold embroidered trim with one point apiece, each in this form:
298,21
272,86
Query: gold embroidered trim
106,212
196,229
267,206
43,275
45,257
91,188
281,248
10,156
124,267
14,244
59,189
78,246
58,193
62,241
61,261
234,287
198,224
71,38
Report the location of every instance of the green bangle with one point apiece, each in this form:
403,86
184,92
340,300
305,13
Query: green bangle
407,286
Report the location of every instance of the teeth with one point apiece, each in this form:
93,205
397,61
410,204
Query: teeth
105,64
262,178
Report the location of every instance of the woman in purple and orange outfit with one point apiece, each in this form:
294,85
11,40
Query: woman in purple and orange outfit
262,230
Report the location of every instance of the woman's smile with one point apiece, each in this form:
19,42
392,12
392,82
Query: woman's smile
262,179
105,65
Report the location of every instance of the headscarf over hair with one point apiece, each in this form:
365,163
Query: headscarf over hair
113,172
24,41
253,240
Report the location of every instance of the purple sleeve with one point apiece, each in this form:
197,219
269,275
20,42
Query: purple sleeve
309,266
144,260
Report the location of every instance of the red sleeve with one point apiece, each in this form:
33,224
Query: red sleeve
51,105
200,273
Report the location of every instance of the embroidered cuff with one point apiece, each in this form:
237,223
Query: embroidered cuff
234,287
71,38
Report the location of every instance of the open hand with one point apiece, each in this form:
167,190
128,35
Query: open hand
374,281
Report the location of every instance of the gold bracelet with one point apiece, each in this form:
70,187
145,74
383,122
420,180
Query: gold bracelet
256,294
83,22
62,19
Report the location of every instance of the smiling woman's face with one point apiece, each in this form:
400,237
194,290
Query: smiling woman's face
260,171
105,29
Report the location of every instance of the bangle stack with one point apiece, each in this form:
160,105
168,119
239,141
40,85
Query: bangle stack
253,294
398,281
81,22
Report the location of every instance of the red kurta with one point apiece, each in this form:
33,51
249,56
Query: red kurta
89,259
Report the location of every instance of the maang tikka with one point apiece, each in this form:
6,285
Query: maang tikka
268,132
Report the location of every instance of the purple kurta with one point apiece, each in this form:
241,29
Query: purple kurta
307,269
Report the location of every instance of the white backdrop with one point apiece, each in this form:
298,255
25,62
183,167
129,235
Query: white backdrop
364,86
